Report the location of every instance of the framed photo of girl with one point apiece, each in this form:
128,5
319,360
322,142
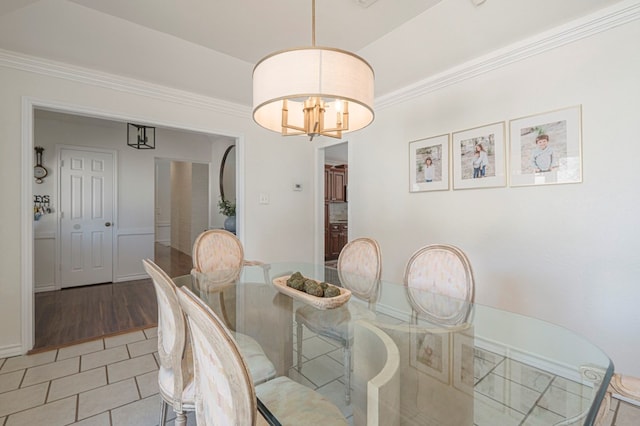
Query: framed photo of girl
479,157
546,148
429,164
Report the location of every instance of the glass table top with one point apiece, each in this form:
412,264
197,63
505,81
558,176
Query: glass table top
484,366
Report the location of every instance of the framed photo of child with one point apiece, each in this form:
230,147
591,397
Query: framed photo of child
429,164
546,148
479,159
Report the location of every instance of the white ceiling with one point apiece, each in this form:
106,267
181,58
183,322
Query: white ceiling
209,47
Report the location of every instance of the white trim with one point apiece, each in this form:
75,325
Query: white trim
43,288
10,350
598,22
94,77
44,236
131,277
135,231
27,300
240,201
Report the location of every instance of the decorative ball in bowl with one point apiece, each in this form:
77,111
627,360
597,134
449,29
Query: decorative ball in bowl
316,293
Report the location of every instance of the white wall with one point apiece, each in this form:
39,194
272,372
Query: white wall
567,254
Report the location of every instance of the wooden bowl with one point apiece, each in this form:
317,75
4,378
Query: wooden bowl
317,302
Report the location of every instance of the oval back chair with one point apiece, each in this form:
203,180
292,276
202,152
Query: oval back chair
360,267
359,270
175,377
217,250
440,284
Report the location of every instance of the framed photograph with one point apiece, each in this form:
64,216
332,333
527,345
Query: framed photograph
429,164
463,361
546,148
430,354
479,157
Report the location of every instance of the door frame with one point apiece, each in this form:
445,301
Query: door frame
57,191
29,105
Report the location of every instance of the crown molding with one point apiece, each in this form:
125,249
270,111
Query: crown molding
601,21
93,77
624,12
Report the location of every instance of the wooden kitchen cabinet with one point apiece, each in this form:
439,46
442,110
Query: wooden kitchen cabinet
335,191
335,183
338,235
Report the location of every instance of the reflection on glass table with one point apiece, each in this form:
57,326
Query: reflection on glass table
492,368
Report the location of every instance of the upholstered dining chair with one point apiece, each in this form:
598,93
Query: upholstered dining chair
175,377
219,252
359,269
440,285
225,393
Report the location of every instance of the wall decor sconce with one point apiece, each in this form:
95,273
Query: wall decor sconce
141,137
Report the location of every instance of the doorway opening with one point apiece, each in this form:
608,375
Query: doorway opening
134,239
336,199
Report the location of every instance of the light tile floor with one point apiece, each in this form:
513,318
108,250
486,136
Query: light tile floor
113,381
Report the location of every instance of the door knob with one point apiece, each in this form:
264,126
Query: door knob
107,224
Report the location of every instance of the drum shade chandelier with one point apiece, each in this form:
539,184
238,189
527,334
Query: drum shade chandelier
317,91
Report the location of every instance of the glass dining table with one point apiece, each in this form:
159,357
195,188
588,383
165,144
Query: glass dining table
490,367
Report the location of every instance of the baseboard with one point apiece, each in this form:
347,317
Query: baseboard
10,350
42,288
131,278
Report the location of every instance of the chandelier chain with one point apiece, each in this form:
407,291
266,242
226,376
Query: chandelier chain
313,23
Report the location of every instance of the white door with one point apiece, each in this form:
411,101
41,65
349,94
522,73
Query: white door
86,217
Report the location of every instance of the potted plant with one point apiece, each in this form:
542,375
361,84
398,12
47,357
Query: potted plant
228,209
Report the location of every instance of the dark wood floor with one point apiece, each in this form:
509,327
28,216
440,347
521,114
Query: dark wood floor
77,314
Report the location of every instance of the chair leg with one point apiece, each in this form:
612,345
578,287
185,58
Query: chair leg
181,418
347,372
163,412
299,346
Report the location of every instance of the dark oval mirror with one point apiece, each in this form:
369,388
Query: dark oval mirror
228,175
